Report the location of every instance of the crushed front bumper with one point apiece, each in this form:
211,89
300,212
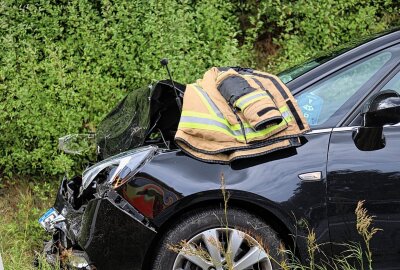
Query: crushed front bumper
107,231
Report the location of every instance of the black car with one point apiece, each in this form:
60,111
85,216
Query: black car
132,208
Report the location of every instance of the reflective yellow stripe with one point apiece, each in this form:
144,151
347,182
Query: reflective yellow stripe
283,110
270,129
208,128
252,94
211,122
210,110
244,106
221,120
215,121
250,134
248,99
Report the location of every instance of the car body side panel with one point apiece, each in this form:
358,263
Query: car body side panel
374,177
271,180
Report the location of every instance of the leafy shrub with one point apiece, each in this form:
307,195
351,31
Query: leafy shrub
64,64
297,30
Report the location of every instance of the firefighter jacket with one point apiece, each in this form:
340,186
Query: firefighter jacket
234,113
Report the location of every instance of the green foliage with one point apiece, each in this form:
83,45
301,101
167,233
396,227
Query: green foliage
64,64
302,28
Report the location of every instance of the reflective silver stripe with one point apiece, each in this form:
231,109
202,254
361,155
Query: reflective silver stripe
318,131
338,129
395,125
286,114
198,120
356,127
246,100
210,102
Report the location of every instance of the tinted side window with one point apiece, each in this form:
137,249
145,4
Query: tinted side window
393,84
320,101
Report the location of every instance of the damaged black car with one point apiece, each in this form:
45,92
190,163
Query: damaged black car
144,196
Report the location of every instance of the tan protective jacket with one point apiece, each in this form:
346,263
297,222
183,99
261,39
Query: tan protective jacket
265,119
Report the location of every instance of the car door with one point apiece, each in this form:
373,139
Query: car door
374,176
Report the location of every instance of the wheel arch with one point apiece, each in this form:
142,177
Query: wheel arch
283,223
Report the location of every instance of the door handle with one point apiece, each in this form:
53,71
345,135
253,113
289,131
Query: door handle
311,176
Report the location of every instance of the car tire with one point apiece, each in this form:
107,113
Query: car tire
243,229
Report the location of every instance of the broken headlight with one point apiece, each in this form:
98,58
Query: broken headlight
127,161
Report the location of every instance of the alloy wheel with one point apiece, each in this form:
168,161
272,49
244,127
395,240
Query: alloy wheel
222,249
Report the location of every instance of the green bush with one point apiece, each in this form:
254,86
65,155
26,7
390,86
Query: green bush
64,64
301,29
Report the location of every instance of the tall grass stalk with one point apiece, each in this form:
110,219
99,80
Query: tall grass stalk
365,229
21,204
350,259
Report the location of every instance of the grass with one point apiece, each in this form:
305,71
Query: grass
22,202
352,258
21,237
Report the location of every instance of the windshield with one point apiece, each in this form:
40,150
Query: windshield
126,125
148,115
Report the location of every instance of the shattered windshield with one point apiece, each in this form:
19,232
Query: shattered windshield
126,125
78,144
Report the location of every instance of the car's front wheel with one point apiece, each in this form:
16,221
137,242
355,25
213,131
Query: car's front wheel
209,239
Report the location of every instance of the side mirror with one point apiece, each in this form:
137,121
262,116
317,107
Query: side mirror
382,109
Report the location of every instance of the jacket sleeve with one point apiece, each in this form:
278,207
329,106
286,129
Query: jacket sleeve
256,105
